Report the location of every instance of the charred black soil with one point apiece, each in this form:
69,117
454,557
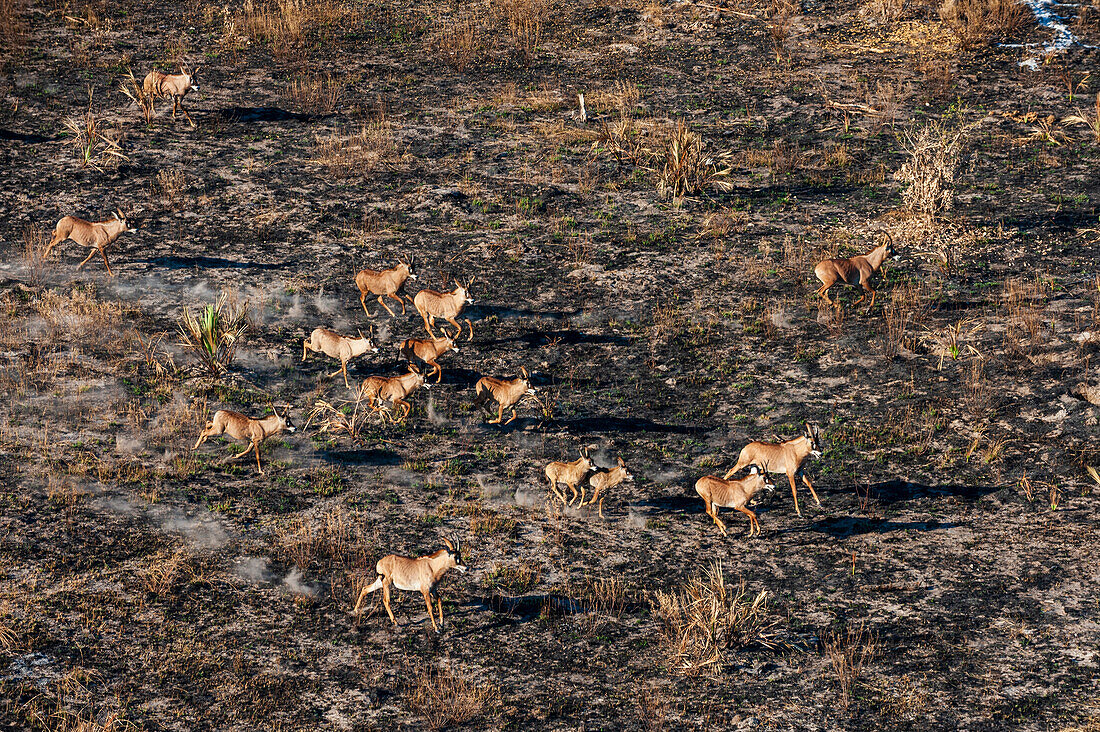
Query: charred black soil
948,580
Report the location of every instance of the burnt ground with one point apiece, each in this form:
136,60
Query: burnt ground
955,548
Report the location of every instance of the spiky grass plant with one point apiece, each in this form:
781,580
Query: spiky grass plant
687,167
706,619
97,145
135,92
213,336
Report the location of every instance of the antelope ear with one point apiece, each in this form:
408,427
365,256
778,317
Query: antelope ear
448,543
621,463
523,370
361,336
413,368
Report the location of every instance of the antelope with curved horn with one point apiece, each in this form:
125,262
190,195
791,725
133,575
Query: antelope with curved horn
176,86
783,457
241,427
603,480
395,389
855,271
331,343
384,283
570,474
446,305
428,350
720,493
507,393
97,235
415,575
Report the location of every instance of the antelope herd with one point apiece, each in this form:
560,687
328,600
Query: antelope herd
388,395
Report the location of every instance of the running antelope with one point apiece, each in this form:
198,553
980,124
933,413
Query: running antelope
784,457
385,283
507,393
97,235
446,305
428,350
603,480
240,427
571,474
381,389
415,575
158,85
719,493
855,271
331,343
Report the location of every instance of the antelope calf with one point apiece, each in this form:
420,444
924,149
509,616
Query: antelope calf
97,235
505,392
395,389
603,480
176,86
415,575
571,474
331,343
784,457
240,427
428,350
384,283
855,271
446,305
718,493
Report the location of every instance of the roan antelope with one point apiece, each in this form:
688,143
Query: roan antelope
331,343
158,85
428,350
97,235
571,474
603,480
381,389
505,392
240,427
784,457
415,575
384,283
446,305
855,271
719,493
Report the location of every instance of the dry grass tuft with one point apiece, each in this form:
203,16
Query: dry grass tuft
333,541
706,618
525,21
316,94
848,653
984,22
907,307
445,699
97,144
688,169
135,92
1084,118
360,153
167,572
463,41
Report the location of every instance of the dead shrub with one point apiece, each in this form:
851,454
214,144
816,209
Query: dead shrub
34,245
1091,121
357,154
514,579
929,174
706,618
1025,302
884,11
78,317
445,699
166,573
603,599
622,98
170,183
848,653
721,223
983,22
688,169
135,92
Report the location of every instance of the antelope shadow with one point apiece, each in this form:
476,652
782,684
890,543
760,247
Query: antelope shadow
895,491
845,526
268,114
175,262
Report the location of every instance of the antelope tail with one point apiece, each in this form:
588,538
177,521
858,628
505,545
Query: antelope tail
483,395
